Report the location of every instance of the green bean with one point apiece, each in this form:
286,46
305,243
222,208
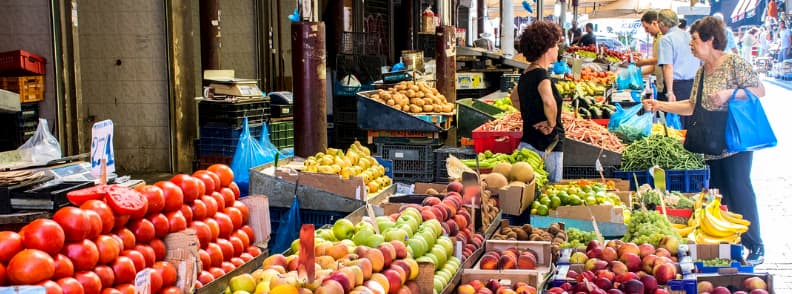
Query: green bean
665,152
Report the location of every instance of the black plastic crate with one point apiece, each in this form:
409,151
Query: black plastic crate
588,172
360,43
345,117
232,114
223,132
508,81
441,154
410,163
426,43
348,132
472,93
281,110
19,126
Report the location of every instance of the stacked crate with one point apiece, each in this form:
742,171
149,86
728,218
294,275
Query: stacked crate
21,72
220,125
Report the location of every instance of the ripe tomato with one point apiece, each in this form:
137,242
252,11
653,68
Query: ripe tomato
143,230
203,232
224,172
161,225
78,197
168,272
156,281
215,254
246,256
226,247
104,211
109,249
63,267
237,246
225,223
205,277
155,196
74,222
244,210
237,261
159,249
218,197
234,187
124,269
51,287
10,245
228,196
125,201
30,266
206,260
227,266
176,221
197,285
112,291
171,290
242,236
90,281
208,180
188,185
137,258
148,254
106,275
198,209
253,250
95,224
249,231
187,213
120,221
214,227
235,215
211,205
174,198
126,288
127,237
201,188
217,272
83,254
70,285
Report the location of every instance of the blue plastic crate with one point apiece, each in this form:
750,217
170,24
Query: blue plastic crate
387,164
701,268
341,90
685,181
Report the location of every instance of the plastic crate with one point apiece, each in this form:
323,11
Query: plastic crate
496,142
587,172
685,181
21,62
282,134
318,218
508,81
345,117
472,93
426,43
231,115
21,126
410,163
29,88
281,110
441,154
222,132
341,90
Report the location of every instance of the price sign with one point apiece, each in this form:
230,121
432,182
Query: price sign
102,147
143,282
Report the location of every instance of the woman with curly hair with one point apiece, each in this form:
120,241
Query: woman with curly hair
537,97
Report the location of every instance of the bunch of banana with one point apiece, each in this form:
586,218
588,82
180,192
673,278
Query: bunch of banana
716,226
356,162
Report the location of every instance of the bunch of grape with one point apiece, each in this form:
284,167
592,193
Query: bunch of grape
577,238
648,227
717,262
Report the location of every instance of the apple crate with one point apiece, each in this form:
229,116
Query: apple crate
735,282
21,62
29,88
541,250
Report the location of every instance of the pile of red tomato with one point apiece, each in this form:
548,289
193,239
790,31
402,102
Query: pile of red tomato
113,232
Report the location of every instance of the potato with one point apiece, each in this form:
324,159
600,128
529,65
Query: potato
417,102
434,91
428,108
419,94
415,109
411,94
414,88
406,108
427,101
391,102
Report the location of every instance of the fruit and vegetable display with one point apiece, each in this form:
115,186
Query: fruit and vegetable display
712,225
508,259
585,130
576,193
414,98
522,166
511,122
751,285
504,104
650,226
114,232
588,84
658,129
665,152
589,107
483,194
651,198
589,51
553,234
577,238
496,286
356,162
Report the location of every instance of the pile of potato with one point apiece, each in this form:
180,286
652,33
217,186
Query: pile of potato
414,98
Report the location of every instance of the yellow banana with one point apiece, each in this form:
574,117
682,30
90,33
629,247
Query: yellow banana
685,231
731,214
679,226
714,210
735,218
718,227
704,238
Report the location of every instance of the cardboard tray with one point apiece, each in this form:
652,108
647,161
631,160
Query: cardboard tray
514,200
510,277
602,213
734,281
218,285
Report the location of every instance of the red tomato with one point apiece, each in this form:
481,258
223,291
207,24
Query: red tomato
188,185
137,258
125,201
235,188
253,250
63,267
201,188
120,221
83,254
159,249
205,277
155,196
70,285
249,231
104,211
224,172
10,245
237,245
242,236
143,230
30,266
215,253
218,197
176,221
43,234
217,272
126,288
226,247
246,256
127,237
112,291
95,224
227,266
171,290
235,215
156,281
2,275
168,272
228,196
197,285
74,222
206,260
161,225
109,249
211,205
237,261
78,197
91,282
124,269
51,287
198,209
244,210
174,198
208,180
148,254
187,213
106,275
225,223
214,227
203,232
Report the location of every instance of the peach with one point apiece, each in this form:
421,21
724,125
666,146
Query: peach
525,289
404,266
489,261
631,260
388,253
645,249
507,261
705,286
377,259
476,284
321,248
628,248
275,259
400,248
342,279
454,187
647,263
430,201
604,273
413,268
440,213
754,283
594,253
621,278
609,254
618,267
354,273
526,260
337,251
365,266
292,262
382,280
377,286
427,215
466,289
326,262
394,279
453,228
664,272
330,287
662,252
402,272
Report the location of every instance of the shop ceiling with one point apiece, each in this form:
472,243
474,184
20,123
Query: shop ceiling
596,8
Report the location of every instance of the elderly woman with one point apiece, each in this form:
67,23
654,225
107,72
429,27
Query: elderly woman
537,97
720,74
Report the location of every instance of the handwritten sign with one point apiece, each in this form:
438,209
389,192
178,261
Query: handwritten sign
143,282
102,147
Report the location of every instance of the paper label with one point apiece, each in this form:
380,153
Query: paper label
102,147
404,189
143,282
458,250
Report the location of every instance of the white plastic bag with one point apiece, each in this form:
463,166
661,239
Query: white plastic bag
42,147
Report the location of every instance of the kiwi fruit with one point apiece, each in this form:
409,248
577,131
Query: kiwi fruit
522,235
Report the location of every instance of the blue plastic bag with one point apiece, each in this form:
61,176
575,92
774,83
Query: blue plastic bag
267,145
630,78
747,127
628,125
248,154
288,228
673,121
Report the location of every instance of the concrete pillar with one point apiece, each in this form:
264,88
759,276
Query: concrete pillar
507,28
575,10
210,34
562,14
309,60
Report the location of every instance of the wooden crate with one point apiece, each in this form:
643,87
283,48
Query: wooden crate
30,88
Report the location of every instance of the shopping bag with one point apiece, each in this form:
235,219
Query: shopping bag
267,145
42,147
288,228
630,78
248,154
628,125
747,127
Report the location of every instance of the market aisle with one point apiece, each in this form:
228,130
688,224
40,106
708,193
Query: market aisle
772,180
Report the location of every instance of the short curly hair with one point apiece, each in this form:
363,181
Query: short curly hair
539,37
711,28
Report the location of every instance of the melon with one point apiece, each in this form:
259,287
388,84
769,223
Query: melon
523,172
495,181
503,168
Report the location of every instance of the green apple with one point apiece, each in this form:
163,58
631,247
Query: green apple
394,234
418,245
407,219
441,255
429,236
243,282
438,228
412,211
262,287
425,258
444,276
406,228
363,225
343,229
447,244
438,285
433,258
363,236
427,227
295,246
453,261
326,234
240,292
384,223
349,244
375,241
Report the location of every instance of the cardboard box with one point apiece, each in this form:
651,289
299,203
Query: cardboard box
514,200
354,187
239,88
470,80
714,251
543,262
183,253
735,281
602,213
506,278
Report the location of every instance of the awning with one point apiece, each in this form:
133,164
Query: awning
634,9
744,9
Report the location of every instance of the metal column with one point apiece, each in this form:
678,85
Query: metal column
562,14
309,60
540,9
507,28
481,14
575,5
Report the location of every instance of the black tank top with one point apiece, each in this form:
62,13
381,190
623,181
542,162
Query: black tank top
532,110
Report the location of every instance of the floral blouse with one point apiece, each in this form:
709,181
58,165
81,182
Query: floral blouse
734,72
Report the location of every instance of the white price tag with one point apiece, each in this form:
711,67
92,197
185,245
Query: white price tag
458,250
102,147
143,282
598,166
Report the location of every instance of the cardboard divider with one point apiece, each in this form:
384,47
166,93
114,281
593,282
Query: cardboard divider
183,254
515,199
735,281
602,213
259,219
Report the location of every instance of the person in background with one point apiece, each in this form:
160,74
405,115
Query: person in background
537,98
731,44
677,61
588,38
772,10
649,20
765,39
574,33
785,39
748,42
682,24
722,73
